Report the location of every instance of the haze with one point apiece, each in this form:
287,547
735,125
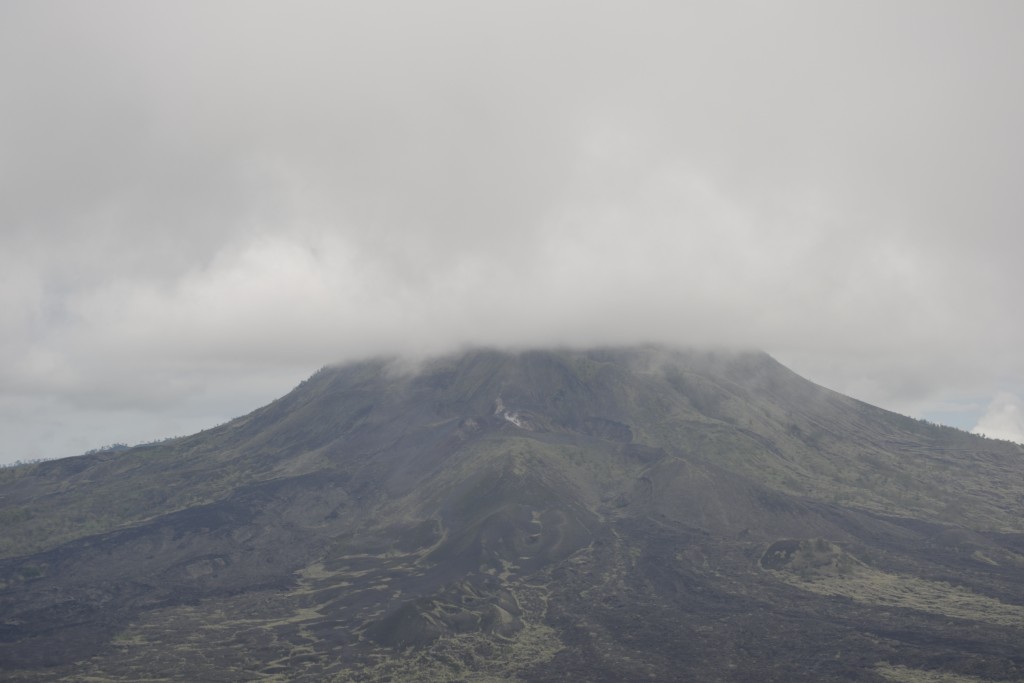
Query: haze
202,203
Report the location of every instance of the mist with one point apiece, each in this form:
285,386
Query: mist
202,204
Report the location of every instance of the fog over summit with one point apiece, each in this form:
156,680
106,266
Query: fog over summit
204,203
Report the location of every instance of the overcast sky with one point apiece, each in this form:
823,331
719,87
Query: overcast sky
203,202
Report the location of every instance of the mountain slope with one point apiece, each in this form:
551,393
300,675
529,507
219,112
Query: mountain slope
611,514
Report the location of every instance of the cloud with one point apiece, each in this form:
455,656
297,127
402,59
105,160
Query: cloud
196,195
1004,419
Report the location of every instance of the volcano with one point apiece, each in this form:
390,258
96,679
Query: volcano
620,514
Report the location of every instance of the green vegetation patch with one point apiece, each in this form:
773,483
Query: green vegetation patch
474,657
902,674
825,568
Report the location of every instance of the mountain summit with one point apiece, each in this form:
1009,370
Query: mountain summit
617,514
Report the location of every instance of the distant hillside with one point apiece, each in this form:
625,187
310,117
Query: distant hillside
607,515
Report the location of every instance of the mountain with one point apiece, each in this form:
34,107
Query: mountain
617,514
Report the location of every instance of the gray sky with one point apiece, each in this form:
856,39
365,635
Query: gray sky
201,203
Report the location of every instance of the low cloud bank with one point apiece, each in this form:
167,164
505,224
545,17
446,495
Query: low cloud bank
1004,419
276,188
